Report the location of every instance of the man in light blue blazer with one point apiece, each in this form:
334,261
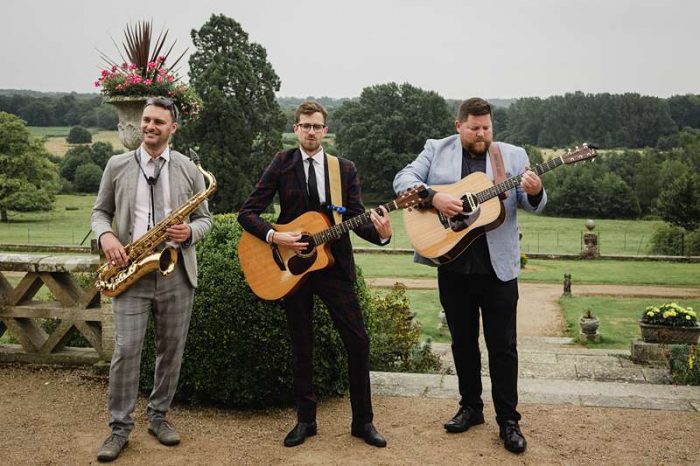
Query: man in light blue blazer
485,275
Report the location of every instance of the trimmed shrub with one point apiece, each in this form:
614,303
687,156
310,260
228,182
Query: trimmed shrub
675,241
238,352
79,135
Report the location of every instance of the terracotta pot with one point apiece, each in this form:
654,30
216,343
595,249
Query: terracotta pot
129,109
664,334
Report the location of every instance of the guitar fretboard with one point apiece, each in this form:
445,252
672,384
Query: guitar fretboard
513,182
336,231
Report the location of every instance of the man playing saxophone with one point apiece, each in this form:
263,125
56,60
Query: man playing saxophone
138,190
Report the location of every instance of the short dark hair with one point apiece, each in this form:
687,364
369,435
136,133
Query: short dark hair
309,107
475,106
164,103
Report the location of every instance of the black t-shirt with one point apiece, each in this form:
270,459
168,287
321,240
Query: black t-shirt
476,259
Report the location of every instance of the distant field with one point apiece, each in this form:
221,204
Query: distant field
55,138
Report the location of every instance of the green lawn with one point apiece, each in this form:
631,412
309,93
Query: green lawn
619,317
58,226
552,271
540,234
555,235
49,131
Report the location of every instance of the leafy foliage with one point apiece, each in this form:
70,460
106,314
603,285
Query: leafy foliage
87,178
79,135
685,364
240,125
28,179
680,201
94,156
238,351
386,128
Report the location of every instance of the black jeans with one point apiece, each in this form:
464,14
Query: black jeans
462,296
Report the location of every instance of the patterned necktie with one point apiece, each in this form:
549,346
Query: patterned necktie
314,201
158,201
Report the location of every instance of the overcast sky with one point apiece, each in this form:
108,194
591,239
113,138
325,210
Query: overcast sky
493,49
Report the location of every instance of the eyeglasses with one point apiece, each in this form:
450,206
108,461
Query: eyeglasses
309,126
164,102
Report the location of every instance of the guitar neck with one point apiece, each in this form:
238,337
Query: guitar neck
336,231
513,182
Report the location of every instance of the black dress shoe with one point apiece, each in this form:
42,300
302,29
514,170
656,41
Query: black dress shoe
513,439
464,419
297,435
369,434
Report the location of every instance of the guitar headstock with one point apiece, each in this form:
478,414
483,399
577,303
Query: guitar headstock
411,197
585,152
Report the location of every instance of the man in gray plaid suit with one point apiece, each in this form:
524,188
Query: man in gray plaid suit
138,189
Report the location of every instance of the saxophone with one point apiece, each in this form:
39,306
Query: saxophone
144,257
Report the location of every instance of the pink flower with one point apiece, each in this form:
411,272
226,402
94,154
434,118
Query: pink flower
161,58
162,71
151,65
104,73
133,67
148,82
159,79
97,84
125,66
170,78
136,79
114,68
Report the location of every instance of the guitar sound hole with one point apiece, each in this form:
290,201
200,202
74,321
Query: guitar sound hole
306,238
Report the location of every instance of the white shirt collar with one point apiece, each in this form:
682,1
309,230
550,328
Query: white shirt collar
145,157
318,156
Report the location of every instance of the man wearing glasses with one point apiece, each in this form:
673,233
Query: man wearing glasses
300,177
138,189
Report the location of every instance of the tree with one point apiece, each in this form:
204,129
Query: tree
240,125
75,157
679,201
87,178
28,179
386,129
79,135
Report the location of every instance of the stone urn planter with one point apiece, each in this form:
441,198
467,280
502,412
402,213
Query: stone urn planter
589,327
129,109
652,333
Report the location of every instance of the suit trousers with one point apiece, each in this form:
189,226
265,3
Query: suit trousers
462,296
169,299
337,291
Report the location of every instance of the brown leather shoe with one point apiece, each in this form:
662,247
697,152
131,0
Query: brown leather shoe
112,447
164,431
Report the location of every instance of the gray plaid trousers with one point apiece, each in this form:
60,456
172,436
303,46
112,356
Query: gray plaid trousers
170,300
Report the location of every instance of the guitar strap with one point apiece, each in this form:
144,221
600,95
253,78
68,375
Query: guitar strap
334,188
499,169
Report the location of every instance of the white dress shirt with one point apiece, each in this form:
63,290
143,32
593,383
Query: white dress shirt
143,191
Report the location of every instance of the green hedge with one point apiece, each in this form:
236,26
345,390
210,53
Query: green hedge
685,364
238,351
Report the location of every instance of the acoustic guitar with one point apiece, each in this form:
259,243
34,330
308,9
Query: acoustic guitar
442,239
273,271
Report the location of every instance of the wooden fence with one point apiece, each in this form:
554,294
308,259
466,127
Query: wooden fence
77,308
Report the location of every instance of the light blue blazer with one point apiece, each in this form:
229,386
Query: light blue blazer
440,163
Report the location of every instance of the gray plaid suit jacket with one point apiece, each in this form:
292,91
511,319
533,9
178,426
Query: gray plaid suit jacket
114,206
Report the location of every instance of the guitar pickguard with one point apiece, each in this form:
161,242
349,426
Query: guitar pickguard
464,220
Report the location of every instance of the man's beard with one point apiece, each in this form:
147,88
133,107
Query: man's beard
310,146
478,147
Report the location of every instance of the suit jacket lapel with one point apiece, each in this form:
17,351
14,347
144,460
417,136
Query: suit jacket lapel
174,180
132,175
301,177
456,159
